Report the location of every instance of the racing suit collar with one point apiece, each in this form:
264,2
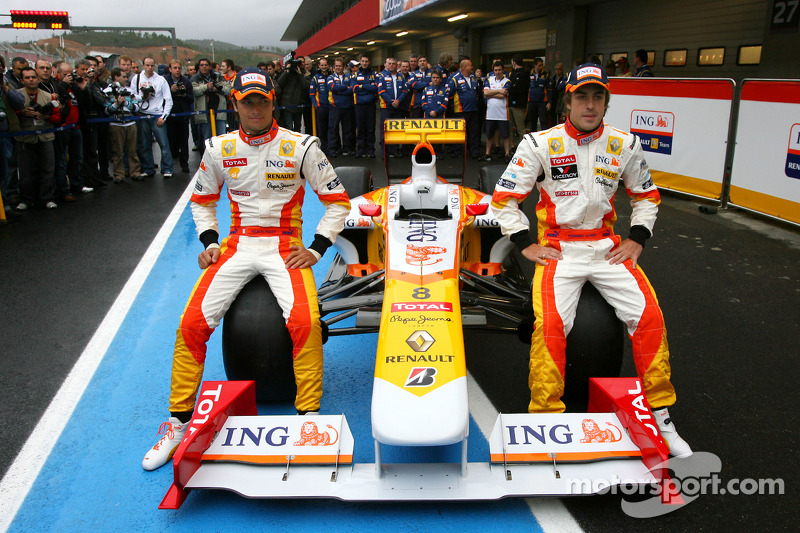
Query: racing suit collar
583,137
255,140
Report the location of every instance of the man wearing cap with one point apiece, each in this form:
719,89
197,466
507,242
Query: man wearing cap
624,68
577,167
265,170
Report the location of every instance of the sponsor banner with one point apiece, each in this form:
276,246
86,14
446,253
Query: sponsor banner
563,437
682,125
654,129
392,10
274,439
766,164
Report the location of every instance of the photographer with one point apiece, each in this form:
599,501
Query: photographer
294,92
90,105
210,90
35,152
10,100
122,104
182,101
68,144
156,106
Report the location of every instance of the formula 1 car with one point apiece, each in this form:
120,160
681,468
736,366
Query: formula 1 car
418,262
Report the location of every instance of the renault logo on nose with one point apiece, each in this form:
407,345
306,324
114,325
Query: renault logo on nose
420,341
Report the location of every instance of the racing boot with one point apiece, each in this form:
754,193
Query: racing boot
677,446
163,450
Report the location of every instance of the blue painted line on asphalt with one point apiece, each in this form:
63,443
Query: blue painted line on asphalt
93,479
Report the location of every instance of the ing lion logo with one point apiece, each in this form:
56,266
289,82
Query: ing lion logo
593,433
661,122
422,254
311,436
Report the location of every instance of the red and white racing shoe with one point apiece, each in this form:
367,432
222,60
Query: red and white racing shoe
677,446
173,431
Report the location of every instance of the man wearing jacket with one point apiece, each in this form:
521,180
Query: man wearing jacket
539,97
517,100
364,91
341,100
462,90
178,127
318,91
156,98
122,105
391,90
419,83
35,157
209,90
577,168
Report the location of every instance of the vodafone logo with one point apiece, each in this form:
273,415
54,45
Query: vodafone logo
561,161
239,162
427,306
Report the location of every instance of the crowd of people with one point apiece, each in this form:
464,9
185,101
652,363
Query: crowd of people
106,121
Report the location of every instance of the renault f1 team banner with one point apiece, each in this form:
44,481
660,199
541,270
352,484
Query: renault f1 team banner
766,165
682,125
394,9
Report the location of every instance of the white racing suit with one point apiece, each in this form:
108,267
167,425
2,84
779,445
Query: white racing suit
577,177
265,178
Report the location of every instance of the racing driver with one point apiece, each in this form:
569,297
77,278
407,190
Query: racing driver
265,169
577,167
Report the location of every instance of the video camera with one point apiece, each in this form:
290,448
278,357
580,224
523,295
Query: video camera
290,62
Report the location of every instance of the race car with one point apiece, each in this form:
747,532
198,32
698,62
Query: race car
418,262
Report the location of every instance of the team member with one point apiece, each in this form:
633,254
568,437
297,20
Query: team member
364,91
496,94
540,95
581,163
391,89
434,98
419,83
318,91
462,89
265,239
341,101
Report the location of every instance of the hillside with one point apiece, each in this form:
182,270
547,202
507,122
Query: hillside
139,45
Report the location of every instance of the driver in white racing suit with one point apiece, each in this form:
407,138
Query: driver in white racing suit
577,167
265,169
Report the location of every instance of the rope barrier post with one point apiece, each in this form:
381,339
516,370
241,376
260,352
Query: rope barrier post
314,121
213,122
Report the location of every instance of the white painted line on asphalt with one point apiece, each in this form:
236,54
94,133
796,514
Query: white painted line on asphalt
22,474
551,514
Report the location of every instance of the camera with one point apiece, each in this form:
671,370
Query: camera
46,109
147,92
180,91
119,90
76,78
290,62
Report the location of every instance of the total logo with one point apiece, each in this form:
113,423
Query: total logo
234,162
400,307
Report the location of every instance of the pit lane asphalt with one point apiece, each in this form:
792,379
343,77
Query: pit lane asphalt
729,286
